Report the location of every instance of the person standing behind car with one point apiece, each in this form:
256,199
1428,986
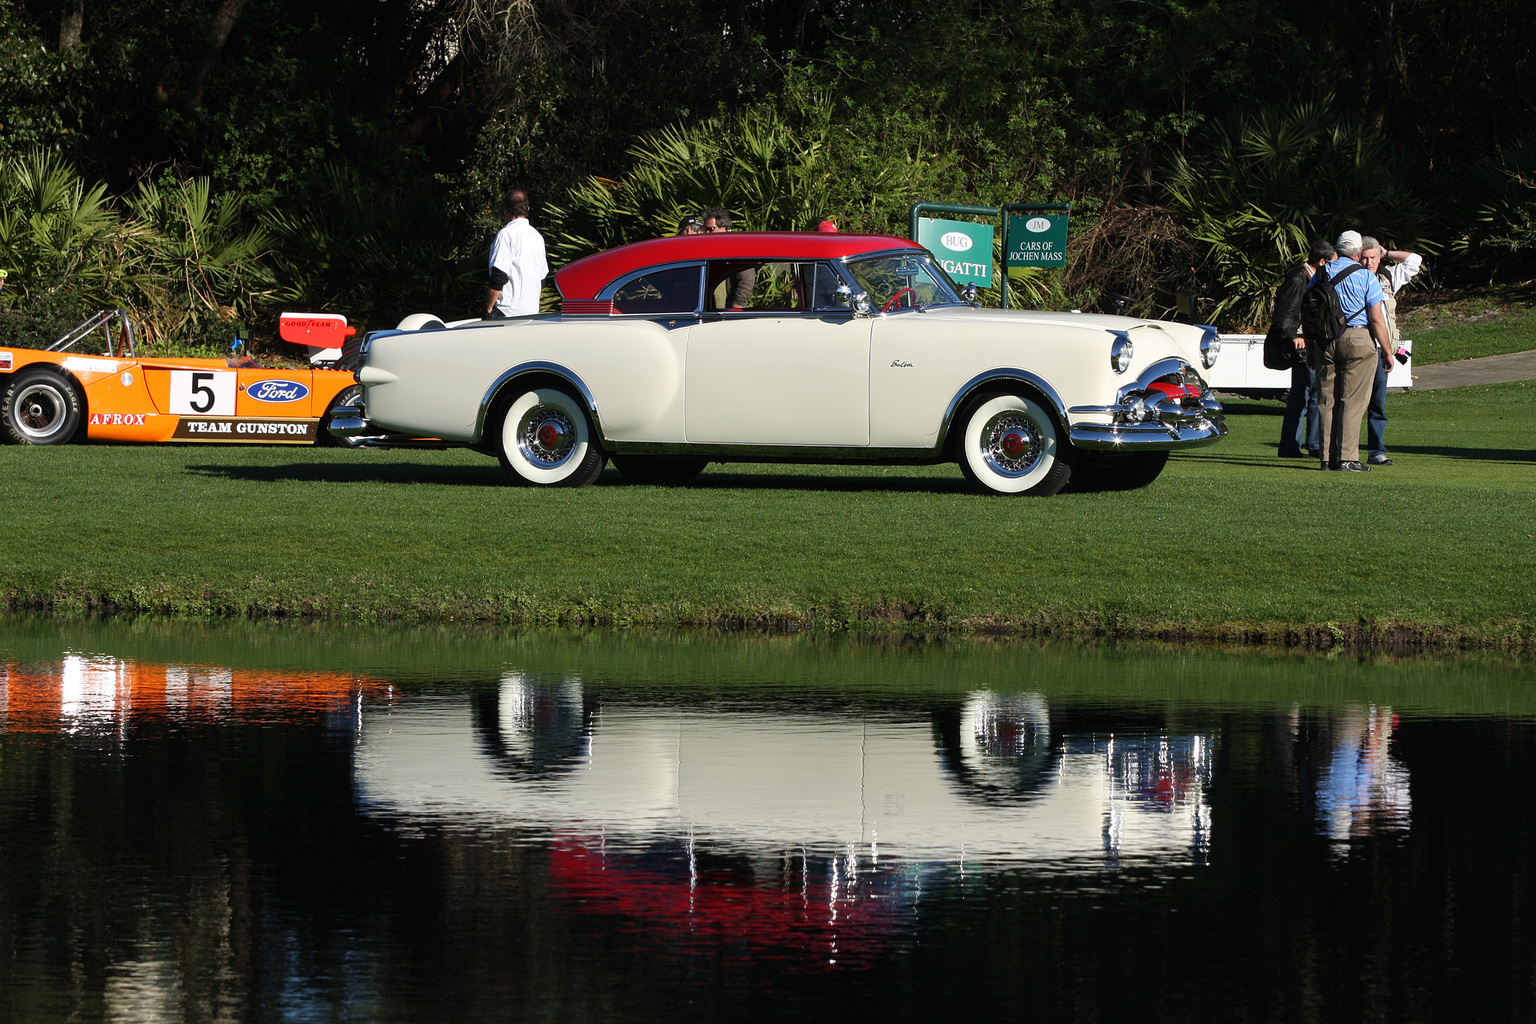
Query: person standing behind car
1392,277
1344,367
518,264
1300,421
738,287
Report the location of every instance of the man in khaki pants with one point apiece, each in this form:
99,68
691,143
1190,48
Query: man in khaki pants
1348,366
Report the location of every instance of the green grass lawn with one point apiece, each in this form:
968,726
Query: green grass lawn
1231,541
1446,326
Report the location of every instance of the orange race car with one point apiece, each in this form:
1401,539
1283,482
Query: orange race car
92,384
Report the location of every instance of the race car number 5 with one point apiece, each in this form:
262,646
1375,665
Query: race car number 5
203,392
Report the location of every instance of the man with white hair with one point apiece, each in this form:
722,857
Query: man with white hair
1392,277
1345,368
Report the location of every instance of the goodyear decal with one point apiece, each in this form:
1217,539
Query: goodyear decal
246,430
117,419
277,391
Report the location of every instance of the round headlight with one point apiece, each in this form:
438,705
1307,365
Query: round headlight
1210,348
1120,353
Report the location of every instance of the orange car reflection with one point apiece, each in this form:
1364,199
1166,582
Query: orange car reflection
102,694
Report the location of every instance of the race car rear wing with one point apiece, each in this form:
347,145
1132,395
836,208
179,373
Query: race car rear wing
324,332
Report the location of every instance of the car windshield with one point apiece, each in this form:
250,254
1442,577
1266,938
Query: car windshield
903,281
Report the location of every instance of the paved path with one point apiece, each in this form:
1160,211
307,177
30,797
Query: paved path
1484,370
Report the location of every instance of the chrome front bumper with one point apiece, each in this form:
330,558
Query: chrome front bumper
1169,407
347,422
1148,436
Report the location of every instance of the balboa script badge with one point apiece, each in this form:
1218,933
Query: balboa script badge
278,391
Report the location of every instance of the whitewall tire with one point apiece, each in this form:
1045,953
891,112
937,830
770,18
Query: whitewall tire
1010,444
547,440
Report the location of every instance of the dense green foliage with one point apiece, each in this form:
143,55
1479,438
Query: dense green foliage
439,535
187,264
359,148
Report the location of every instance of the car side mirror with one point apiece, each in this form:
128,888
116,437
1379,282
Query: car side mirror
969,293
858,302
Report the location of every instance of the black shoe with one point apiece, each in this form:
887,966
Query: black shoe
1325,464
1298,454
1350,467
1314,453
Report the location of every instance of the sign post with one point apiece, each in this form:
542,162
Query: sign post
1034,235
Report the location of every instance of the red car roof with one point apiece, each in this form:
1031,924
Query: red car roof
586,277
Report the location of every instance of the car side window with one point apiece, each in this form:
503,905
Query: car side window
821,285
673,290
775,286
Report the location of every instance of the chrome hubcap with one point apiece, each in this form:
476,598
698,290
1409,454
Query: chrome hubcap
1011,444
546,436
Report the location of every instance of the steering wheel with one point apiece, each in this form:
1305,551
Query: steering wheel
894,299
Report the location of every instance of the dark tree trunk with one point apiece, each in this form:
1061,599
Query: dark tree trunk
218,35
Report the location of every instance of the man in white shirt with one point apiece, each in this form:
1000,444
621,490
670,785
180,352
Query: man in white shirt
1392,277
518,266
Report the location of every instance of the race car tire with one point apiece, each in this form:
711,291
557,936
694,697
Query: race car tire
547,440
41,407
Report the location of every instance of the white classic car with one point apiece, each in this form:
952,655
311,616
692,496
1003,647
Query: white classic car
843,348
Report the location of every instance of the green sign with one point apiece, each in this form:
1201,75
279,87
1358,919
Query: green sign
1037,240
962,248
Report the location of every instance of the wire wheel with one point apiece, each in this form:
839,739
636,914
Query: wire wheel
1010,444
546,439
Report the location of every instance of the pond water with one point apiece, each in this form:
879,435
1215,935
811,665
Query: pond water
268,823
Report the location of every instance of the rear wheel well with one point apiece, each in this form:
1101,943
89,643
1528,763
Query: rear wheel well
507,393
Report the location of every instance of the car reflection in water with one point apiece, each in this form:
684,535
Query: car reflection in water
812,830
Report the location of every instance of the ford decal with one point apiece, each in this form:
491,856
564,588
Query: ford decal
278,391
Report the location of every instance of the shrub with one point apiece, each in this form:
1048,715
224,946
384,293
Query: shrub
1268,182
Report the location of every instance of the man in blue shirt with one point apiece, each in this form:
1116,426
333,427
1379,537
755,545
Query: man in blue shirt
1346,368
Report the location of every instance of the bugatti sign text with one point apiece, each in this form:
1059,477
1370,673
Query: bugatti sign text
963,249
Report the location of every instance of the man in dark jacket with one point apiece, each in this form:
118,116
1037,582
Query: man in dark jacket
1299,428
